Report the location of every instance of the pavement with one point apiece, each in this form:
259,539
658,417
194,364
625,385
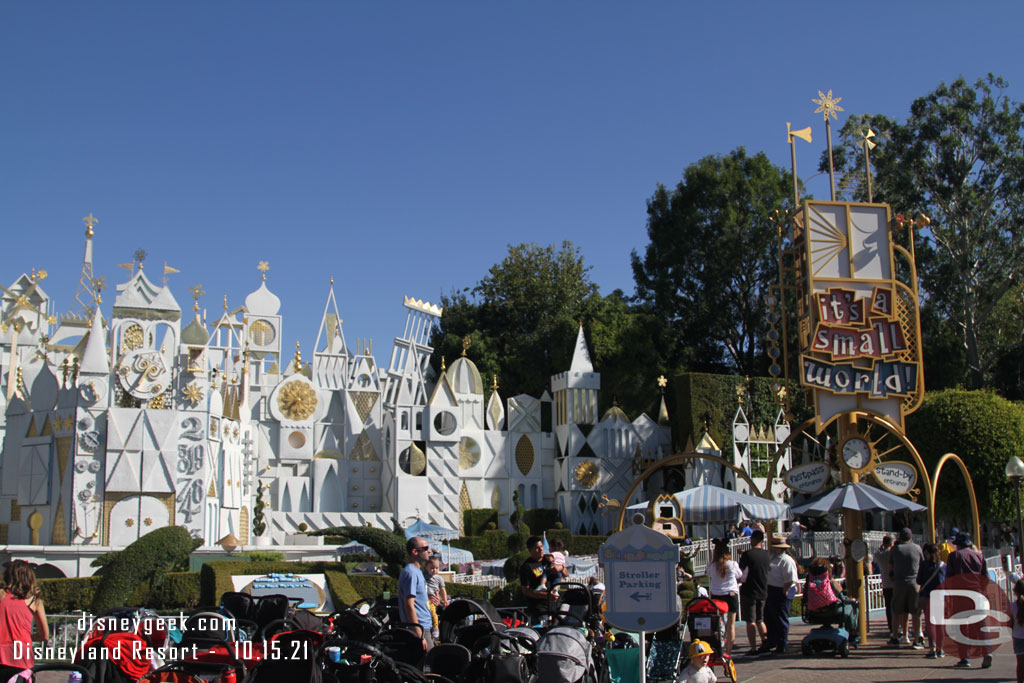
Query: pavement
873,661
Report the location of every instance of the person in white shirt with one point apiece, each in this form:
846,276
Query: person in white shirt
724,573
782,583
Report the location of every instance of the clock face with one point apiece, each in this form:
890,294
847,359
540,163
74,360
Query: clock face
856,453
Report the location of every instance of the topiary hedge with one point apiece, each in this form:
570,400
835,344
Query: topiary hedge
541,518
491,545
985,430
474,522
387,544
64,596
149,559
177,590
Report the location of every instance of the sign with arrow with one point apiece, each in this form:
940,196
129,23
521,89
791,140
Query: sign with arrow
640,579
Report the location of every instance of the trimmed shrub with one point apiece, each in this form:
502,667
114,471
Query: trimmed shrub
177,590
387,544
369,586
492,545
64,596
541,518
512,564
148,559
474,522
264,556
985,430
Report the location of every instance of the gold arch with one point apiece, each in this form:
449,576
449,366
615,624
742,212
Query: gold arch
885,423
679,459
970,490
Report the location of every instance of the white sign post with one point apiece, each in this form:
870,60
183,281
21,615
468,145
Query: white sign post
640,582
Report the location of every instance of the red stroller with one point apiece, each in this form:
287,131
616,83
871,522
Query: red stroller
705,621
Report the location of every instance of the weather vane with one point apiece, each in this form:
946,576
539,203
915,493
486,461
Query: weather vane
263,267
89,221
827,107
791,136
197,291
868,145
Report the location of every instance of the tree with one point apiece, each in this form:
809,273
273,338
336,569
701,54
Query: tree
959,159
259,526
712,256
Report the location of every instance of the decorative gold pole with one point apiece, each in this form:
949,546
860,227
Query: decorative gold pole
828,106
853,529
868,146
791,135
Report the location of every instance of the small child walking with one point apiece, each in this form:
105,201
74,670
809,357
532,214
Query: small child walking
698,670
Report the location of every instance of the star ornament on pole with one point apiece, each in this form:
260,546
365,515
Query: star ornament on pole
828,105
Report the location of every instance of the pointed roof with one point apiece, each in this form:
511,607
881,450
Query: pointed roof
139,294
330,328
663,419
94,357
581,355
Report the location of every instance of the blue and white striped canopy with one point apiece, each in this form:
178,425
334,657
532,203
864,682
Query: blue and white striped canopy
431,532
857,497
449,555
714,504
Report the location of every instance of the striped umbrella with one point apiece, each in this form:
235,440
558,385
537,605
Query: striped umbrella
856,497
714,504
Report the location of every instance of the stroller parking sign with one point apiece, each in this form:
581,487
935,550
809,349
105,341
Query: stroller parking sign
640,579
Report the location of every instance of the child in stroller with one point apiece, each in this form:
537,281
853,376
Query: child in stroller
705,619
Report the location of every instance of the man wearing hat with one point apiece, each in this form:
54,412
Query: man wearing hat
966,560
782,579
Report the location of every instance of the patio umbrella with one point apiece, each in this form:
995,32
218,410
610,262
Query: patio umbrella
714,504
857,497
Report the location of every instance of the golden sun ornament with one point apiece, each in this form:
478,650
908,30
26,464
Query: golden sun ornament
827,105
587,474
297,400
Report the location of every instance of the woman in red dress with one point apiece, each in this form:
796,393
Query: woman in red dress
21,603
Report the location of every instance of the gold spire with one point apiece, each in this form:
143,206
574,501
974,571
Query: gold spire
494,384
65,367
332,279
225,302
75,364
263,267
197,291
443,368
662,383
21,383
466,342
89,221
298,357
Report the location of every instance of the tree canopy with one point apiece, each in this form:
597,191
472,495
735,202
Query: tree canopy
959,159
712,256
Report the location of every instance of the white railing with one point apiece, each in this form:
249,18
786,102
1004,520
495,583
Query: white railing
489,580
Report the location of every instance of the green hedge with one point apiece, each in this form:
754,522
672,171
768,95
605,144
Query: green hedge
150,558
389,545
215,577
540,519
474,522
491,545
177,590
64,596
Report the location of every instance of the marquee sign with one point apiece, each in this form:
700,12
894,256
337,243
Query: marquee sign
859,325
808,478
896,477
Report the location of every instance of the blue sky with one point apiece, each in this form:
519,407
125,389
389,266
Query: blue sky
400,146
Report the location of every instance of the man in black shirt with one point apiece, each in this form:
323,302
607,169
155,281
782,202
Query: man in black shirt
531,575
754,563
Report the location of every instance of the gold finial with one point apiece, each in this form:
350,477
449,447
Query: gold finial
75,365
298,357
98,285
139,256
827,105
443,367
662,382
197,291
332,279
263,267
89,221
466,342
21,383
44,341
225,302
65,368
494,384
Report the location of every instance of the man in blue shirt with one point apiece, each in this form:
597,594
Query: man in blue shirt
412,590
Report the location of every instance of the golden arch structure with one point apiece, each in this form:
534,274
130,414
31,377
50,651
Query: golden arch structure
948,457
672,461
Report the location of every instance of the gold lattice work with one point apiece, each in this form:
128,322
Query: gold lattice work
15,511
59,534
524,455
496,498
133,337
243,526
364,450
3,534
364,402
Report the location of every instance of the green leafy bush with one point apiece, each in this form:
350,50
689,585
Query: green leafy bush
177,590
491,545
541,519
64,596
264,556
387,544
150,558
985,430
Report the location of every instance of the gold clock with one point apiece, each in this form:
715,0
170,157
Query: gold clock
297,400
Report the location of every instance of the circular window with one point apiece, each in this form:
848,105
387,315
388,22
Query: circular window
444,423
296,440
261,333
412,461
363,380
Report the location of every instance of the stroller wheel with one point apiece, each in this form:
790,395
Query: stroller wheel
730,668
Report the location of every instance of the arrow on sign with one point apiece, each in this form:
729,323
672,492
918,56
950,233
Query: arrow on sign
638,596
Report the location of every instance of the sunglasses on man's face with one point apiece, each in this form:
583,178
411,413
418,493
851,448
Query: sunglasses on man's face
422,548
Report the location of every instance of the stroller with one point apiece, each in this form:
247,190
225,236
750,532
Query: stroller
465,622
112,653
705,621
565,655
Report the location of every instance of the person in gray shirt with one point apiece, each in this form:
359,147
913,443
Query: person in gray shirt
905,559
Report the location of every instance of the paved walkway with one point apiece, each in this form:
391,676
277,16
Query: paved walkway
874,661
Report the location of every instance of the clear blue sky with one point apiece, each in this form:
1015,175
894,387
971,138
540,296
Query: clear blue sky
400,146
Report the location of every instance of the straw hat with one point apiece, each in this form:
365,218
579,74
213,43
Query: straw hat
779,542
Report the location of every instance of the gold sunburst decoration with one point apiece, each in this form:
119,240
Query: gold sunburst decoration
587,474
297,400
828,105
193,393
133,337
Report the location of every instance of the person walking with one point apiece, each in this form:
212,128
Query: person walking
20,605
754,590
782,583
724,573
929,577
883,558
412,590
966,560
906,561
